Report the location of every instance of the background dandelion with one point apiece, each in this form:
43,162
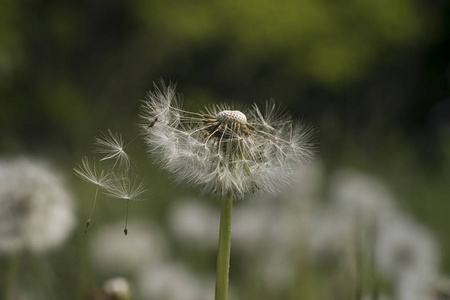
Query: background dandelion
36,207
114,253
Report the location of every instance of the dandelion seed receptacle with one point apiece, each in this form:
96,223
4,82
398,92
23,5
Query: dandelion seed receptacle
226,152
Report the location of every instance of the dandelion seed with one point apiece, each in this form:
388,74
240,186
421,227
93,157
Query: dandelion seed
224,150
111,144
90,174
124,187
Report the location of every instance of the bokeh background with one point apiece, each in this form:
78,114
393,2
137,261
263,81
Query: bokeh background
373,77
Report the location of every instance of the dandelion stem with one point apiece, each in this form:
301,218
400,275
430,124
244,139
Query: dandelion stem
88,222
126,219
223,253
11,276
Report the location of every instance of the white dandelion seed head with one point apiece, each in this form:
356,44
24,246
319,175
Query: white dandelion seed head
112,251
362,195
231,116
36,208
277,270
330,234
170,281
404,247
416,286
118,288
225,151
251,225
194,224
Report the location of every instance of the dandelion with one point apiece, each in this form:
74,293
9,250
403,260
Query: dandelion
118,288
405,248
90,174
124,187
36,208
146,246
172,281
193,224
111,145
227,151
362,195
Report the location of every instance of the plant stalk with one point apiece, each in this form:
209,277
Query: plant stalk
223,253
11,276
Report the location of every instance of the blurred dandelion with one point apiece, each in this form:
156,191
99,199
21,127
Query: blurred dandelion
173,281
363,239
36,208
118,288
251,227
361,195
405,247
145,246
193,224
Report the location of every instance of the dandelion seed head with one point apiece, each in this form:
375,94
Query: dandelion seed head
113,252
174,281
223,150
118,287
193,224
361,194
231,116
405,247
36,208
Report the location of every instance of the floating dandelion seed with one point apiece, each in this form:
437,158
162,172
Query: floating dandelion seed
111,145
124,187
90,174
227,152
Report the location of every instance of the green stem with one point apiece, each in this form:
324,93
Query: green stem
11,276
223,253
